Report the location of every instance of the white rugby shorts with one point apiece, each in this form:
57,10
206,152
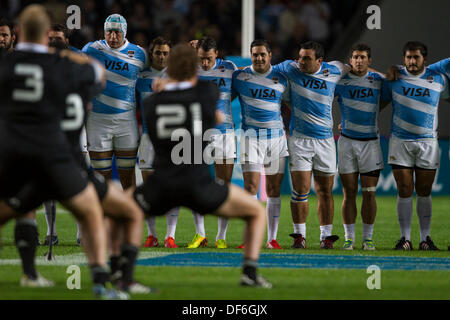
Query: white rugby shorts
83,140
112,132
359,156
414,153
268,152
223,146
308,154
146,153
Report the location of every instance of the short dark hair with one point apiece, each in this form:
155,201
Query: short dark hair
9,24
361,47
207,43
415,45
182,63
159,41
58,27
319,52
260,43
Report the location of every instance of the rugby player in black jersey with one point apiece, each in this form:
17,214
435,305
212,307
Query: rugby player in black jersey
186,110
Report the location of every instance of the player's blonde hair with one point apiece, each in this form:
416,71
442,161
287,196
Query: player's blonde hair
182,63
34,23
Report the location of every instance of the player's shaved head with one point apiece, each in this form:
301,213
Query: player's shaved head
182,62
34,23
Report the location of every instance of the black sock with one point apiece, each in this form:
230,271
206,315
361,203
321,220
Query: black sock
249,268
25,234
127,261
99,274
114,264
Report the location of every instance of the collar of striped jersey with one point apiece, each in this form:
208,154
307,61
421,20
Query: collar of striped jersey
33,47
125,44
354,76
212,68
183,85
261,74
414,75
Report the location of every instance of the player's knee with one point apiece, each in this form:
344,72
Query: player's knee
350,192
369,191
273,191
405,191
423,191
299,197
324,191
101,164
251,187
126,163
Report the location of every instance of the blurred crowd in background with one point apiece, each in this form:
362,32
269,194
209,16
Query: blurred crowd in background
283,23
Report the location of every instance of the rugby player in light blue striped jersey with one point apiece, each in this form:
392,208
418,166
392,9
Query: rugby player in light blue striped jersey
112,125
359,151
261,89
311,143
413,145
220,72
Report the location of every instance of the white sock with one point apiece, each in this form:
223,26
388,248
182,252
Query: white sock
199,221
78,230
273,210
423,208
171,219
404,212
367,231
300,228
151,226
48,216
255,196
325,231
349,231
222,224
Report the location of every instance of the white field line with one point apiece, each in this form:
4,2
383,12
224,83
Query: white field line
76,258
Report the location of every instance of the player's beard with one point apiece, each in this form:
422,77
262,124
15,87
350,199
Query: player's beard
418,69
6,48
58,44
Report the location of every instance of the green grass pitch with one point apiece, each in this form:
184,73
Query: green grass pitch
214,283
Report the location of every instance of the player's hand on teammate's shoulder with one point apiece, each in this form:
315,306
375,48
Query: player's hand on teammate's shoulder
80,58
159,84
220,117
194,43
392,73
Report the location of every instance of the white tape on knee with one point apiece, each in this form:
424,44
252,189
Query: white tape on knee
101,164
369,189
125,163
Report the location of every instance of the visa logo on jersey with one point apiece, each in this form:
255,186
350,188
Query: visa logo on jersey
314,84
263,93
116,65
219,82
361,93
416,92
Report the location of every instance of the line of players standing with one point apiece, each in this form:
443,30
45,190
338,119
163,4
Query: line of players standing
307,88
309,91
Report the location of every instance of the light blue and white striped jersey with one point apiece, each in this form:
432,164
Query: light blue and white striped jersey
221,75
144,88
260,96
359,101
122,67
442,66
415,101
311,97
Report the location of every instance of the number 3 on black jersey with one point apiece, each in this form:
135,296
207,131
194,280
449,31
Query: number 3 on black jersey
33,82
74,111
